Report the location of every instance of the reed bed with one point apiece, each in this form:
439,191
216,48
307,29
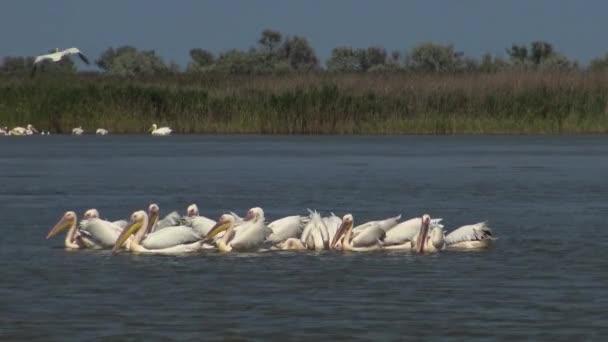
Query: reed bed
324,103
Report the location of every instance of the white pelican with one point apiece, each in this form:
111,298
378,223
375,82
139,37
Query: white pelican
315,235
474,236
367,239
286,227
172,219
401,235
200,224
154,130
4,131
175,240
68,220
29,130
77,131
101,131
332,223
57,56
251,233
428,240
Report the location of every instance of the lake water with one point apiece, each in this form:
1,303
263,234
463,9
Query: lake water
546,199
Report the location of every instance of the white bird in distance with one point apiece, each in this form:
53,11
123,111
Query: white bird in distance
59,55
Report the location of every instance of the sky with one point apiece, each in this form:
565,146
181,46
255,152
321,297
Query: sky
31,27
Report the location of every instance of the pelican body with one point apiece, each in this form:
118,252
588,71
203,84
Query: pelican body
154,130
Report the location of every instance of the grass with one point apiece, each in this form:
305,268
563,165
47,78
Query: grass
404,103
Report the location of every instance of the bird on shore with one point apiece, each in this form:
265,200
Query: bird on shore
57,56
154,130
101,131
78,131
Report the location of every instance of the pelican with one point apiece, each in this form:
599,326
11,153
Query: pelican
101,131
249,235
77,131
172,219
200,224
367,239
474,236
401,235
154,130
428,240
315,235
4,131
171,240
57,56
29,130
287,227
332,223
68,220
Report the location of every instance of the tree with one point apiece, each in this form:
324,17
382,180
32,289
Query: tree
428,57
128,61
518,53
371,57
299,54
343,59
599,64
270,40
540,51
201,60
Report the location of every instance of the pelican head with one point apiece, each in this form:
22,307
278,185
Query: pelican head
137,221
153,128
67,220
255,214
30,127
91,213
192,210
424,232
347,223
153,213
223,223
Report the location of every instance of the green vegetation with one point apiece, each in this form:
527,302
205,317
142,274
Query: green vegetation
279,86
315,103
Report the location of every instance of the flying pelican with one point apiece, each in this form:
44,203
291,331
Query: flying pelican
68,220
57,56
77,131
248,236
29,130
368,238
101,131
200,224
160,131
173,240
474,236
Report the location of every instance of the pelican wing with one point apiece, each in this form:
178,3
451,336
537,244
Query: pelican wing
382,224
403,232
169,237
474,232
42,58
287,227
200,224
120,223
171,220
249,236
100,231
369,236
332,223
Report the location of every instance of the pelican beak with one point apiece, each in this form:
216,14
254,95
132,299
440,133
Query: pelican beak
218,228
345,226
424,232
62,225
153,220
129,230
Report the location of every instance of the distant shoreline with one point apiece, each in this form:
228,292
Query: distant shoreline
507,103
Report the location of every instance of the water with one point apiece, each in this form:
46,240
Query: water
545,197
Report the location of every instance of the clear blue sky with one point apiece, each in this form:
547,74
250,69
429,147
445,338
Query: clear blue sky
28,27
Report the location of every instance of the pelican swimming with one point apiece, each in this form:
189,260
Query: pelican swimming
101,131
77,131
57,56
401,235
332,223
286,228
68,220
249,235
428,239
171,240
93,232
315,235
4,130
154,130
28,130
200,224
474,236
172,219
367,239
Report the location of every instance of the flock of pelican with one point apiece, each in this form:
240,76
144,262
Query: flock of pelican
31,130
145,232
